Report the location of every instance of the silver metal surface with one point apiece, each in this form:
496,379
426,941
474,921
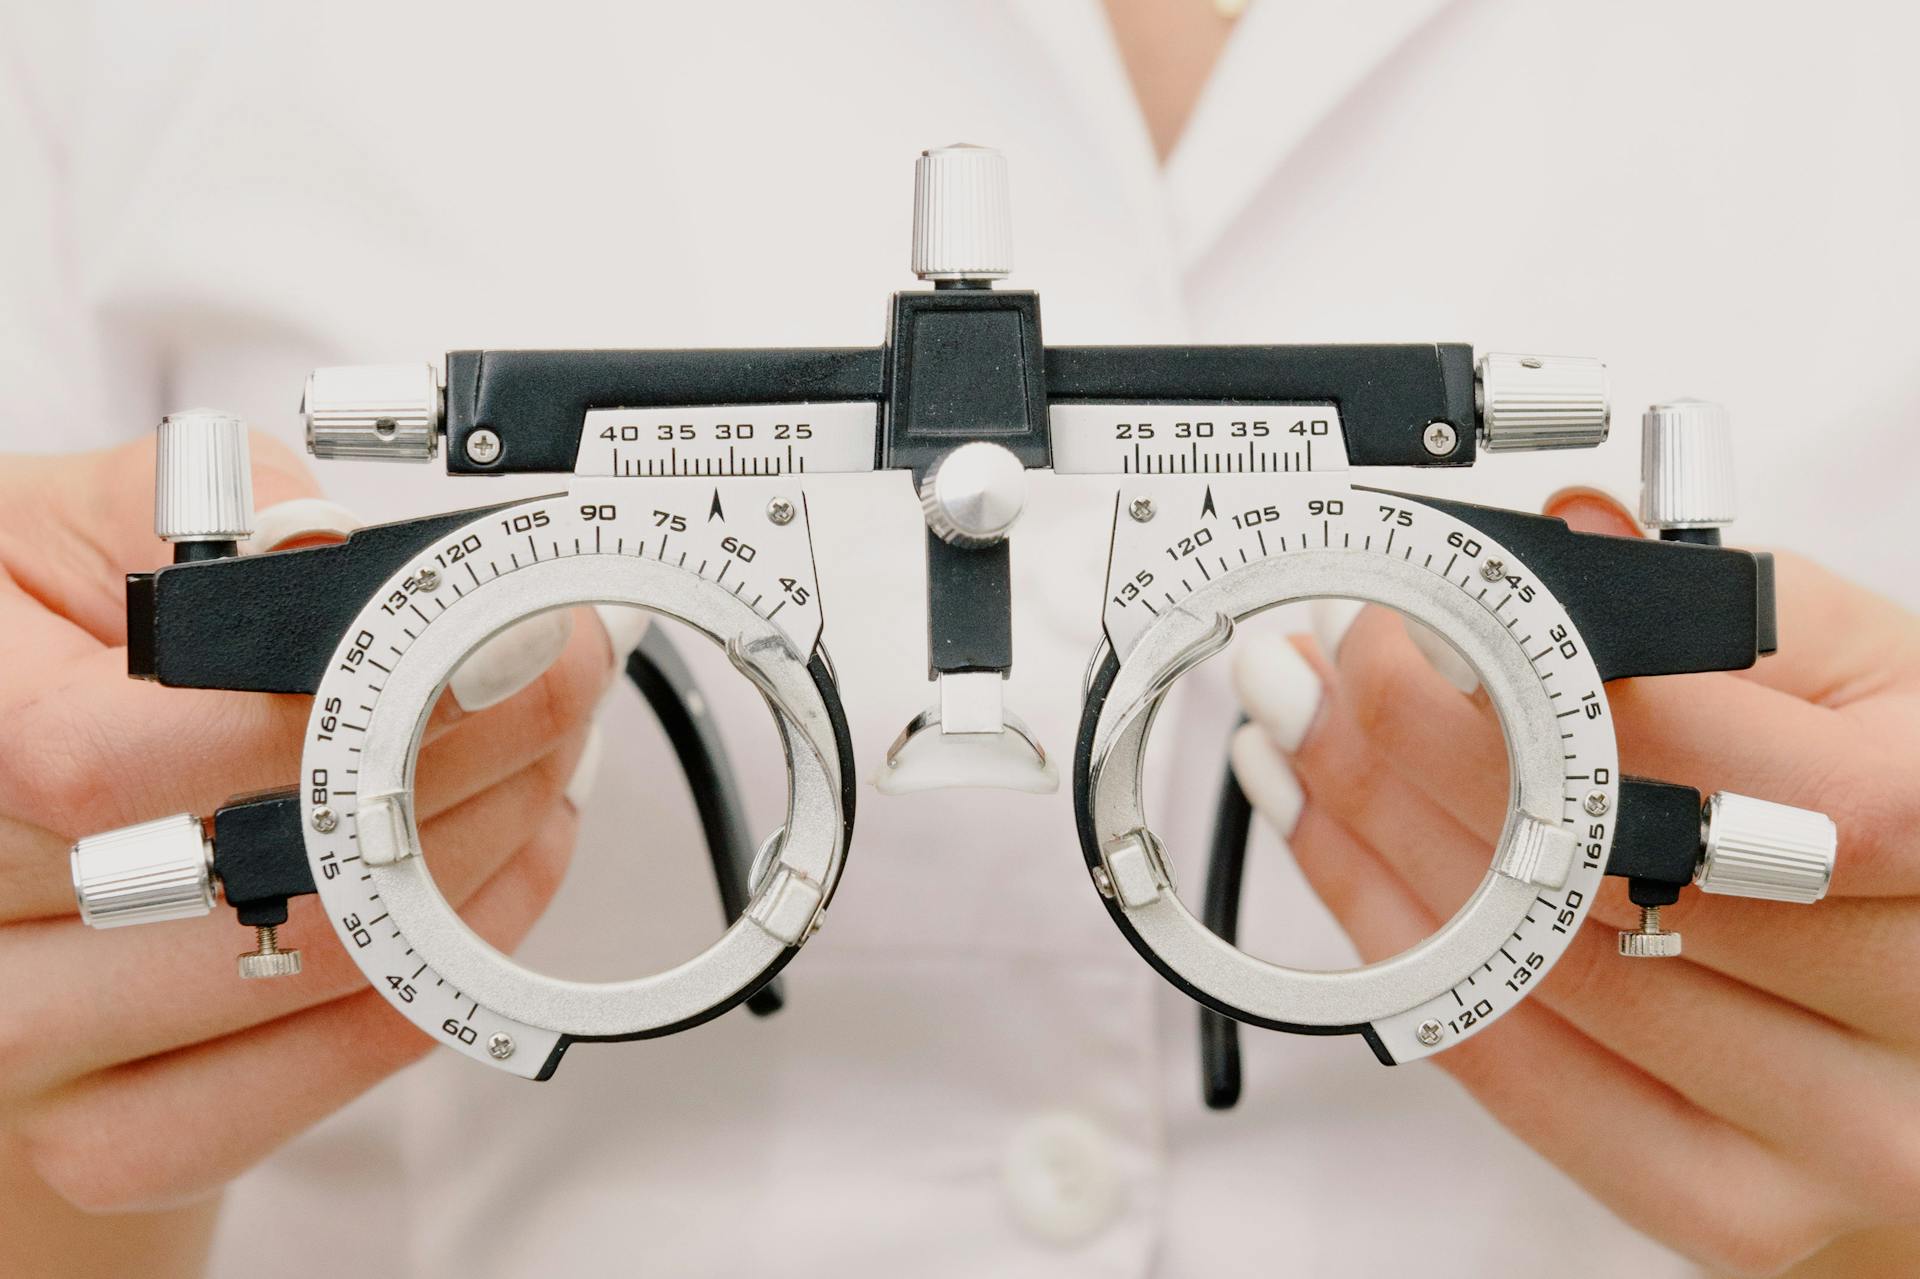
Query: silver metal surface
780,511
1539,853
267,959
324,819
144,874
1541,402
972,702
962,215
379,412
1686,466
202,478
500,1046
1650,941
1140,509
713,440
784,908
928,721
1196,439
483,447
1753,848
1440,438
1496,910
974,495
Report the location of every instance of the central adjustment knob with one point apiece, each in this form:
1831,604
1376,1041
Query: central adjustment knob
974,495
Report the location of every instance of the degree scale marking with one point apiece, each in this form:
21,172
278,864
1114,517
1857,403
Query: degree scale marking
387,957
1137,546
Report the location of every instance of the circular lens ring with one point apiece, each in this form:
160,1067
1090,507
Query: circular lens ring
1122,700
778,917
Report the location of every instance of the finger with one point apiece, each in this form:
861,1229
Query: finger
1590,510
1736,1052
1843,960
1660,1163
85,522
1266,778
299,523
1718,732
36,879
468,751
93,750
172,986
1649,1014
140,1134
1838,642
1847,959
1528,1068
1709,731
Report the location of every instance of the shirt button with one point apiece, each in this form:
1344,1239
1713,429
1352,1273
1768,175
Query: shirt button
1061,1178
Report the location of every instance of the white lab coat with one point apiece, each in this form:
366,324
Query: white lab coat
975,1074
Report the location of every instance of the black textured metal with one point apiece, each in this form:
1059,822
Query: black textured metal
964,365
260,855
969,607
1656,839
1643,607
1387,394
537,401
265,623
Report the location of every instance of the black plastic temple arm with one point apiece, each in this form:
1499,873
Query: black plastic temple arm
1220,911
664,679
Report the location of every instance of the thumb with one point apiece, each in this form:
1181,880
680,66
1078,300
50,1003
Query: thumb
109,503
78,523
1588,510
1838,642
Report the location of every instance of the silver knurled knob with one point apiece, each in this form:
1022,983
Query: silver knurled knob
962,219
973,495
267,959
1650,941
144,874
1541,402
381,412
202,478
1686,465
1752,848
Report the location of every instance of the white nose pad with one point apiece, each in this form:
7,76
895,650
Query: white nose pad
970,740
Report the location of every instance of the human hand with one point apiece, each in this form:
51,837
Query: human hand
136,1071
1744,1104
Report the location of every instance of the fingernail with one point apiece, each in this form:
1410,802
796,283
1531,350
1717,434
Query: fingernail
1267,778
1440,655
625,628
585,772
297,520
510,660
1332,619
1278,688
